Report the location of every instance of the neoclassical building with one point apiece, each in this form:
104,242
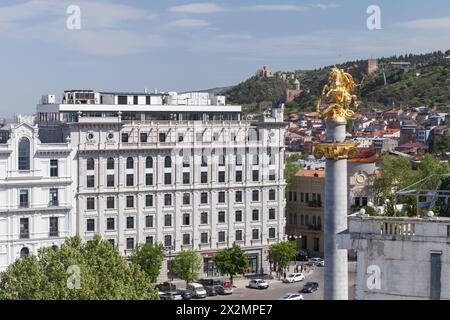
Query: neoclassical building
35,192
184,170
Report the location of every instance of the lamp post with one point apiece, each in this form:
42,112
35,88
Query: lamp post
169,250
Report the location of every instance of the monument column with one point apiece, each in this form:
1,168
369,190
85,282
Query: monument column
336,152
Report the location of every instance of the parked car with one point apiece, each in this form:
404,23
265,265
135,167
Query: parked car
210,282
224,290
310,287
211,291
295,277
318,262
197,289
302,256
258,284
292,296
170,295
186,294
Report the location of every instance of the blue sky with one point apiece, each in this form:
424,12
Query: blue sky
183,45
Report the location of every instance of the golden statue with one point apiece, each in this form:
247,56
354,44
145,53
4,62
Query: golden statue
339,93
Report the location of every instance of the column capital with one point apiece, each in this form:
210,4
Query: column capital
335,151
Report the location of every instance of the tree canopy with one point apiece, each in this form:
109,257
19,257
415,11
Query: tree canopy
150,258
282,253
232,261
187,265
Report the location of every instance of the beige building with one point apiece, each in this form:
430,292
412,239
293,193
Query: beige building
304,210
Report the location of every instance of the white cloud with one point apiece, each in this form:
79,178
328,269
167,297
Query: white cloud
187,23
197,8
234,36
278,7
436,23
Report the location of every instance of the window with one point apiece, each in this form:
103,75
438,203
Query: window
204,218
186,163
110,224
90,203
238,196
255,234
186,219
319,223
302,220
255,195
90,181
272,195
110,164
221,197
295,196
167,178
168,241
272,233
24,252
112,242
130,180
255,175
130,222
143,137
162,137
203,237
149,222
122,100
149,179
110,203
302,197
149,162
238,176
239,160
90,225
167,162
130,201
24,154
186,177
53,197
199,136
204,198
24,199
239,235
272,215
149,200
255,215
53,168
272,175
168,220
149,240
24,228
180,137
130,163
125,137
238,216
90,164
186,199
316,244
221,237
222,160
204,177
167,199
221,217
255,159
110,180
130,243
186,239
147,100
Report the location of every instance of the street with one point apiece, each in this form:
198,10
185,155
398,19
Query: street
277,289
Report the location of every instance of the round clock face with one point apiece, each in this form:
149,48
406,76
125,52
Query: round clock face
360,178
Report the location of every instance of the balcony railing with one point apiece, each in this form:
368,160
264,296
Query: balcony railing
24,235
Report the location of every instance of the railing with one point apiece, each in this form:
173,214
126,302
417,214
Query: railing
397,229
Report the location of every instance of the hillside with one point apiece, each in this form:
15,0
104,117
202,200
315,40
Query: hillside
425,82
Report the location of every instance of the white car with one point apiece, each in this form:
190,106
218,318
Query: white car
258,284
295,277
318,262
292,296
197,289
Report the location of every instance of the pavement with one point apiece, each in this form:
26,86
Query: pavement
277,288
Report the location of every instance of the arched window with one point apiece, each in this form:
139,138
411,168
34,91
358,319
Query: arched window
110,164
149,162
24,154
25,252
168,162
90,164
130,163
222,160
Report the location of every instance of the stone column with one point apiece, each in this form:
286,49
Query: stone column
336,265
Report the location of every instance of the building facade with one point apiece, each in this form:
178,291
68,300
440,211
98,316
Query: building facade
182,170
35,192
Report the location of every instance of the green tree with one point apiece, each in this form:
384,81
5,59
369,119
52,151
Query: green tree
150,258
53,275
187,265
281,254
232,261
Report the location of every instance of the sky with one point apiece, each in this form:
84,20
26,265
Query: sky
180,45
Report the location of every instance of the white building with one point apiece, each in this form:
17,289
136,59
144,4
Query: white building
182,170
400,258
35,192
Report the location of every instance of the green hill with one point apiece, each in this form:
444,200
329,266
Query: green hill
424,82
